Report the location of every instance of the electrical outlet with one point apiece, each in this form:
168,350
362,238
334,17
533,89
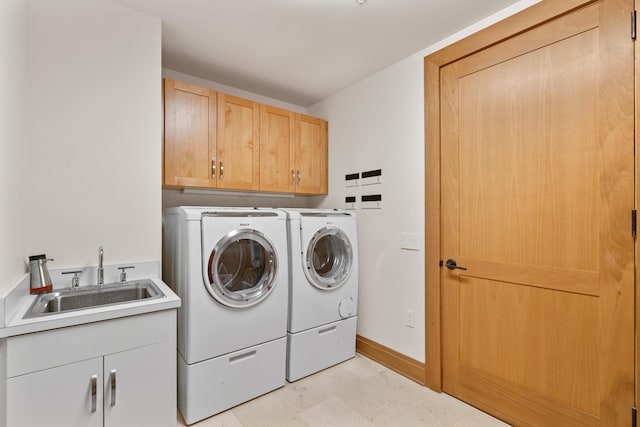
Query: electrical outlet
410,318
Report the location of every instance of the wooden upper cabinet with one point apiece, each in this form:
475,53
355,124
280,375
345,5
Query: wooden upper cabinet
277,149
215,140
238,143
311,155
189,135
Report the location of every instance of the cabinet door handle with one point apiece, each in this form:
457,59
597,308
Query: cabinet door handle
94,393
293,178
213,168
221,170
299,181
113,387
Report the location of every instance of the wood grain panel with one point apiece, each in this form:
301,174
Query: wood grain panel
520,406
537,182
189,138
617,134
637,249
563,27
238,143
450,196
541,340
277,149
573,281
311,155
531,186
433,352
530,18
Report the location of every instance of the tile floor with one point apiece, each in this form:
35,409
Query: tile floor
358,392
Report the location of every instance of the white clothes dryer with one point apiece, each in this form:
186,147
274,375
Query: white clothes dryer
230,268
323,289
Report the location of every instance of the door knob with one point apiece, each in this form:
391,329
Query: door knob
451,265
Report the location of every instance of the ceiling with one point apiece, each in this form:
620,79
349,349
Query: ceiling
302,51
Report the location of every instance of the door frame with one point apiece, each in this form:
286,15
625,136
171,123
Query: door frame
527,19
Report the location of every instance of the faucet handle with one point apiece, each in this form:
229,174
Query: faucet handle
123,273
75,280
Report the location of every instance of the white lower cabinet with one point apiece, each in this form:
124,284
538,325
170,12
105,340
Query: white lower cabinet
137,390
52,380
64,396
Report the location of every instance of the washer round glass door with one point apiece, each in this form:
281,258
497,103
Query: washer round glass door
329,258
242,268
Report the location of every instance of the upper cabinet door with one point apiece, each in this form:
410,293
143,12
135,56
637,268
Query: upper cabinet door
311,155
190,135
238,143
277,149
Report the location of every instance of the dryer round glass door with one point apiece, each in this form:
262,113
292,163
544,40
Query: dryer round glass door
242,268
329,258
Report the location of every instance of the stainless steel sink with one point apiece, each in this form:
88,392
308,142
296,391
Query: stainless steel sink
92,296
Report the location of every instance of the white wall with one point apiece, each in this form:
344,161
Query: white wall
95,133
379,124
375,125
13,75
172,197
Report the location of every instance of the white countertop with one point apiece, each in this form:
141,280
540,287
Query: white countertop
16,306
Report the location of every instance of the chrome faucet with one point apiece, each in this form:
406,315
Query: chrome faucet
100,267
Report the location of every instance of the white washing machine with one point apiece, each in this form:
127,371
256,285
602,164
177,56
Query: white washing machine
323,290
230,267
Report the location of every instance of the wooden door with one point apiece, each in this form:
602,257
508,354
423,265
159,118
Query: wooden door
537,192
238,143
189,135
311,155
277,162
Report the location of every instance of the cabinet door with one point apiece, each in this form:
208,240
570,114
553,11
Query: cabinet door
65,396
311,155
189,135
140,387
277,149
238,143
